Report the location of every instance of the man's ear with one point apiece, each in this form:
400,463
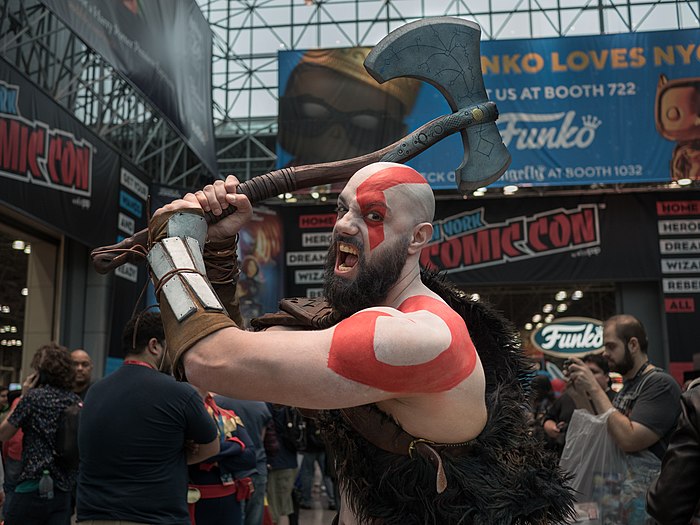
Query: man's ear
633,344
152,348
422,233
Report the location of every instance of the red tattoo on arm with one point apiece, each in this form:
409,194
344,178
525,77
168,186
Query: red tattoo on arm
352,353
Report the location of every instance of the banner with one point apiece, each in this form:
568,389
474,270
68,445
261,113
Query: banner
483,242
307,236
573,111
548,239
52,167
164,49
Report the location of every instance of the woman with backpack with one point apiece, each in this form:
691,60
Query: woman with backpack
43,492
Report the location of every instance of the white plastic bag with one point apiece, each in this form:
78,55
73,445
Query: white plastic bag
602,473
590,456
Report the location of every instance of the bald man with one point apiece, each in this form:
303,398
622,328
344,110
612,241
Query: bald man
82,363
398,381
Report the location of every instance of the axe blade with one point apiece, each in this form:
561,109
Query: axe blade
444,52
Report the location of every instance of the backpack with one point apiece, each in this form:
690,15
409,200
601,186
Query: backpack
66,454
294,429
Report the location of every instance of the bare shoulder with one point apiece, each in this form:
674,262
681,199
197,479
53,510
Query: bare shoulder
427,317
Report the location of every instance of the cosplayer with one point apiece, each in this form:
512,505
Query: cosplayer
416,386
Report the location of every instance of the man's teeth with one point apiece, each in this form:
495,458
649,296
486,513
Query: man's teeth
346,248
349,250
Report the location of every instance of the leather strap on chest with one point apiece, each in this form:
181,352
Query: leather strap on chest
300,312
382,432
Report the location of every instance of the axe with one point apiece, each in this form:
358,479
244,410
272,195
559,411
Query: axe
441,51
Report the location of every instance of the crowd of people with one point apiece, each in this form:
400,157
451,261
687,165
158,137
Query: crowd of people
412,399
152,450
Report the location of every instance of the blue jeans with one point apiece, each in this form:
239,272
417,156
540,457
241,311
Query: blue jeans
30,509
254,508
308,466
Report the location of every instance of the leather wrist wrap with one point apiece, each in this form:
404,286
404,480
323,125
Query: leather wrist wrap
190,309
221,263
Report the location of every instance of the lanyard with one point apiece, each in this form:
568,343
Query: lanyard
137,362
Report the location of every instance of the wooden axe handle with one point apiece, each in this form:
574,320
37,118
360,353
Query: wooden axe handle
288,180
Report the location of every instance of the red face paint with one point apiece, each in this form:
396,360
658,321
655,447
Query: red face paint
352,353
370,196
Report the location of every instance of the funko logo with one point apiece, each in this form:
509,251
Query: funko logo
591,121
535,131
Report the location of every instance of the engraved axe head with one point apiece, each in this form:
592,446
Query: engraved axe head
445,52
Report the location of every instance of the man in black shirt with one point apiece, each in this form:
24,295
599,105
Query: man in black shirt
138,431
641,417
648,404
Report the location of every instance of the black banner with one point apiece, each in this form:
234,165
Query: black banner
546,240
51,166
163,48
506,241
307,235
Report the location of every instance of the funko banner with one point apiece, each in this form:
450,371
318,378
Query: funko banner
573,111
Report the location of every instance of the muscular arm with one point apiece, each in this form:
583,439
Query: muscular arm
290,368
367,358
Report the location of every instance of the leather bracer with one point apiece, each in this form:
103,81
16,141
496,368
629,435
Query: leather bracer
221,264
190,309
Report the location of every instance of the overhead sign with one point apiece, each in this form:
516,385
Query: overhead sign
569,337
573,110
164,49
52,167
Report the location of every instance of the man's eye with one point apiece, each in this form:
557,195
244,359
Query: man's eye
375,216
341,210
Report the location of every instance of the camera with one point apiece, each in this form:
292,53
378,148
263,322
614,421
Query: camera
566,366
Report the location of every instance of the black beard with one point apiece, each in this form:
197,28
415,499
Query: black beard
373,281
625,366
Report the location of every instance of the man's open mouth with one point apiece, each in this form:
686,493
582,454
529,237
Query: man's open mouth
347,257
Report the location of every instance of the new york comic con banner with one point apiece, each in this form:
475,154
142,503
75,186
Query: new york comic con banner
163,48
477,243
573,111
52,167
